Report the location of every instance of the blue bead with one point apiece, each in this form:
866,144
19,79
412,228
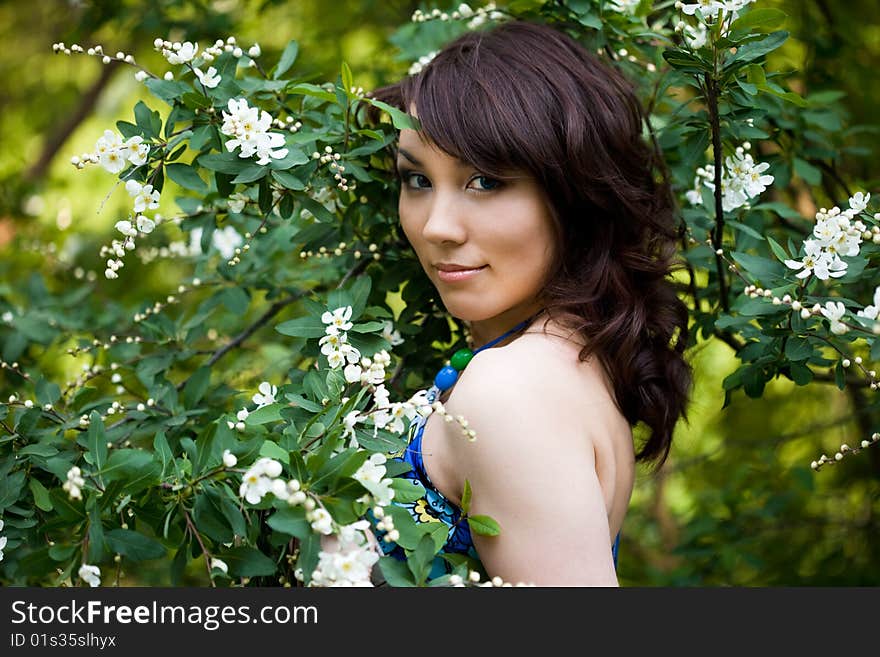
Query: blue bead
446,378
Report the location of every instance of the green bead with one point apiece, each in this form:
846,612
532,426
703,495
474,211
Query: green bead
461,358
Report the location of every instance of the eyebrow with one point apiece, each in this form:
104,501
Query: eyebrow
409,157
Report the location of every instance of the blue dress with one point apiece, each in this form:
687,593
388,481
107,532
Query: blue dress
434,507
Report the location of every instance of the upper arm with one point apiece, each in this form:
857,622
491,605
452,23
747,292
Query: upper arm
533,470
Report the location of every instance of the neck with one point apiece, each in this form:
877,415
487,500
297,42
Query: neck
486,330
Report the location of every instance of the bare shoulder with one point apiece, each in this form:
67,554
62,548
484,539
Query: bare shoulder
534,403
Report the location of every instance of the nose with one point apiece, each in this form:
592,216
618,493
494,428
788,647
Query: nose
445,221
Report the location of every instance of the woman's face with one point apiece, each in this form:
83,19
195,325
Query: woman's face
452,214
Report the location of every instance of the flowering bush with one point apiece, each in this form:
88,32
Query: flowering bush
150,453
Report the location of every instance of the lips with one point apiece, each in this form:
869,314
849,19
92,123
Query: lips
451,267
457,275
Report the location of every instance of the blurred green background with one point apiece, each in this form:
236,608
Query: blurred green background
736,504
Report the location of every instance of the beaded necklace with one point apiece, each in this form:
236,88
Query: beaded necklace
448,374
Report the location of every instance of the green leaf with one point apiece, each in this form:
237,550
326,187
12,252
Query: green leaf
134,545
291,521
778,251
763,268
686,62
302,402
147,120
797,348
288,57
800,373
810,174
96,532
395,572
303,327
288,180
309,548
11,489
400,120
347,78
761,18
314,91
744,228
235,299
96,440
196,386
294,157
251,173
38,449
420,560
270,413
272,450
321,214
484,525
223,162
248,562
135,467
368,327
41,495
753,50
163,450
466,497
47,392
67,509
208,518
186,176
407,491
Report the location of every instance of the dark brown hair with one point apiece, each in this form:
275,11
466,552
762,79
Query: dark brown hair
528,97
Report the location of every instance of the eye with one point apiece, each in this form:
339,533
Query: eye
493,184
406,176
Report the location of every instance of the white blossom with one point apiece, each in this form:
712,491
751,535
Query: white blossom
871,311
321,521
709,8
91,575
623,6
696,36
236,202
349,422
226,240
371,476
818,262
138,151
126,228
209,79
352,373
834,311
74,483
219,564
145,224
859,202
145,197
258,480
741,179
249,129
338,320
266,394
229,459
3,540
181,53
352,562
391,334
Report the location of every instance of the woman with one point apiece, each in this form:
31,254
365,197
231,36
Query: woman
530,177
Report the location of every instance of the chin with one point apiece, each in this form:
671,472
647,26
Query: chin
468,312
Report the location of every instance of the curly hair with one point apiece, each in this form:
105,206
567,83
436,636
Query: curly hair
525,96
